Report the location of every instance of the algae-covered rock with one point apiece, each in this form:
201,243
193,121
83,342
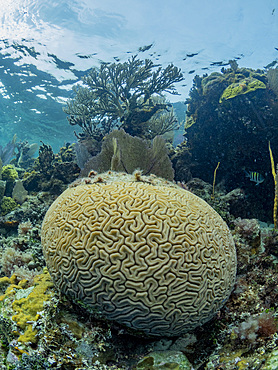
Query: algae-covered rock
8,204
174,360
214,79
245,86
272,362
9,173
231,113
28,303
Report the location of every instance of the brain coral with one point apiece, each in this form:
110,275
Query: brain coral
146,254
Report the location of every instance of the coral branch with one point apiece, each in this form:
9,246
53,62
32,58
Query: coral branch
121,95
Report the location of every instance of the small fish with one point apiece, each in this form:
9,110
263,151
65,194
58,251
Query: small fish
255,176
145,48
191,55
272,64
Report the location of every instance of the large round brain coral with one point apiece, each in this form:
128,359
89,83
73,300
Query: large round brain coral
147,254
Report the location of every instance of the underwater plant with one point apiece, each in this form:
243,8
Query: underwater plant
121,95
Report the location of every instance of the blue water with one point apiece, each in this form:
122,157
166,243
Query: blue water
45,48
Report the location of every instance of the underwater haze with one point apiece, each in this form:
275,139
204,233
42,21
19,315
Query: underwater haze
47,46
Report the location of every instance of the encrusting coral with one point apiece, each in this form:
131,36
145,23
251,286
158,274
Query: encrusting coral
141,251
27,303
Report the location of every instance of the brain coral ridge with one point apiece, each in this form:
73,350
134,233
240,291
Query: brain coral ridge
149,255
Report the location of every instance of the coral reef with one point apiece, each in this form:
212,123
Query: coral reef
248,236
263,325
163,360
231,117
181,159
66,336
272,79
31,362
19,193
28,304
51,172
271,242
123,95
52,331
2,188
12,258
24,228
245,86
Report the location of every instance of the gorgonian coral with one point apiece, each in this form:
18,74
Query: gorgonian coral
122,95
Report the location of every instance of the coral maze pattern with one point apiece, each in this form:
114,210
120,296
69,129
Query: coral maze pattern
155,258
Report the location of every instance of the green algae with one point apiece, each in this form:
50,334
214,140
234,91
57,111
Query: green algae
242,87
9,173
8,204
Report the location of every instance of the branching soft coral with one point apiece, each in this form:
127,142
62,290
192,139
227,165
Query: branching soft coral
121,95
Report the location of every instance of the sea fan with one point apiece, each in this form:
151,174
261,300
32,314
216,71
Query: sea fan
7,152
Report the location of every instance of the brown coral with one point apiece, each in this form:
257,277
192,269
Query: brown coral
150,255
